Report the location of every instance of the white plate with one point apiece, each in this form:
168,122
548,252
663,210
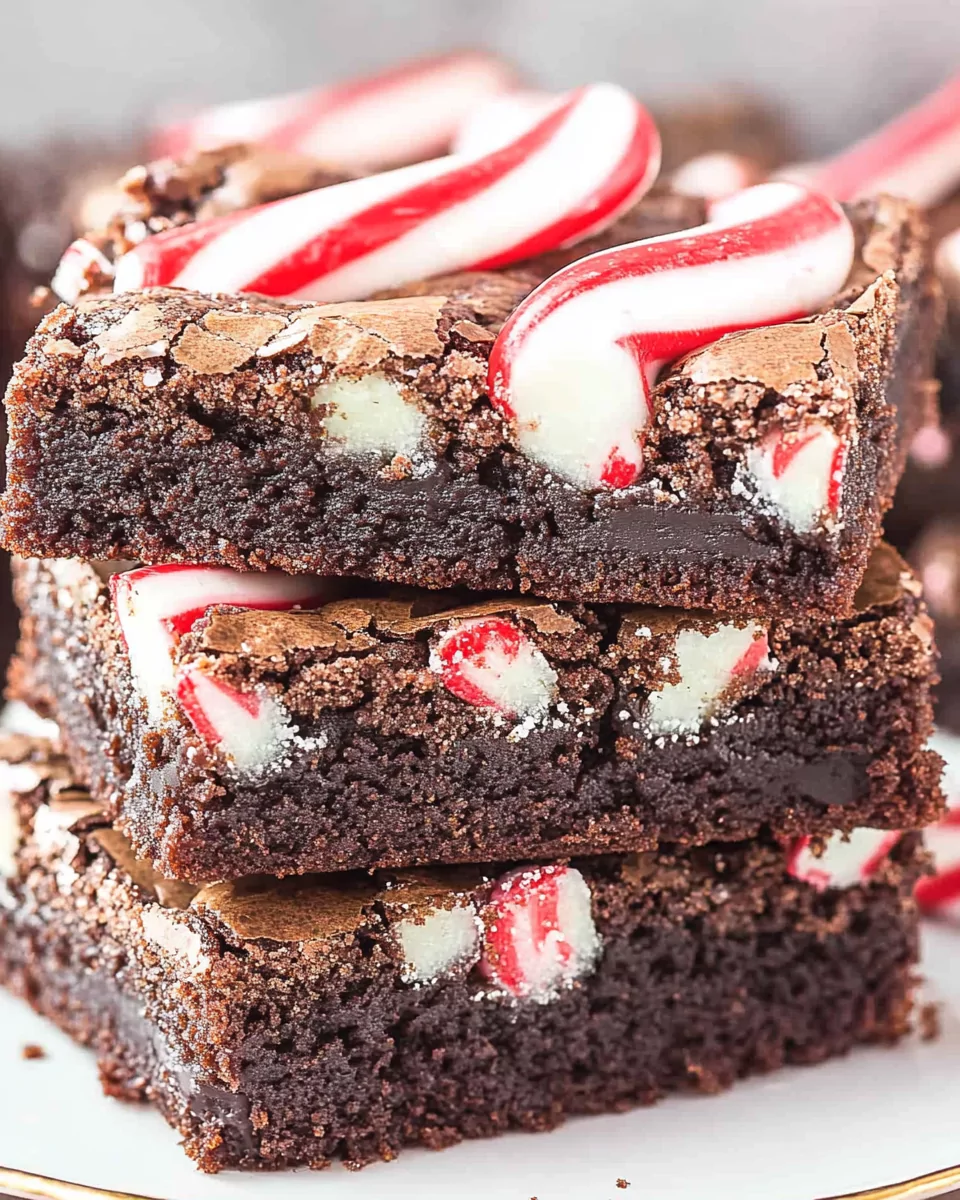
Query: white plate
878,1117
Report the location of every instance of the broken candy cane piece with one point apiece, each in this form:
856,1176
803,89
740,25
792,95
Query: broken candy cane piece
540,934
710,666
917,155
569,176
402,115
940,893
799,473
491,663
251,728
574,366
156,605
437,942
83,266
846,860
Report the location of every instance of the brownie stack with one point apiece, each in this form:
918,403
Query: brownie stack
407,793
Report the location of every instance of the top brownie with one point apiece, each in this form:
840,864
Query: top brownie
359,439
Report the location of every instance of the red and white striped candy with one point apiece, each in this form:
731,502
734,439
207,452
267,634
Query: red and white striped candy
490,663
574,365
847,860
917,155
157,605
799,473
709,666
251,728
574,173
501,119
940,893
540,934
401,116
79,261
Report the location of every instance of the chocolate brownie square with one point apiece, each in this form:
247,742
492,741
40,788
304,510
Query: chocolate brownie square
170,426
397,729
281,1024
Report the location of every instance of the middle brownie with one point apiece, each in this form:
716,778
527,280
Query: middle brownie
406,728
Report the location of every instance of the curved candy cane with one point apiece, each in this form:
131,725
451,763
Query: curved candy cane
917,155
574,365
574,173
400,116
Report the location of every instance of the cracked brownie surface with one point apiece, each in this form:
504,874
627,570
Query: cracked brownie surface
358,439
393,729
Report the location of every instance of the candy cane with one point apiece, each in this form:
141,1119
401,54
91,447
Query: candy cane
940,893
156,605
574,365
540,933
502,118
917,155
846,860
401,116
574,173
710,176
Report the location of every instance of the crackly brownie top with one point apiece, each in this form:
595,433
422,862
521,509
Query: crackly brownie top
182,337
433,666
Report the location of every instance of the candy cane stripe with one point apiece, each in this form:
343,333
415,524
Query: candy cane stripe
402,115
575,363
917,155
573,173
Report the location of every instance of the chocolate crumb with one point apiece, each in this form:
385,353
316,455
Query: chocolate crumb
32,1050
929,1022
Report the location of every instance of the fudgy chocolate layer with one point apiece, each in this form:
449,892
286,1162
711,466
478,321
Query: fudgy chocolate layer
278,1025
377,759
167,426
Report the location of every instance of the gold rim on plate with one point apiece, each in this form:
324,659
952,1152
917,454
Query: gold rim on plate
25,1186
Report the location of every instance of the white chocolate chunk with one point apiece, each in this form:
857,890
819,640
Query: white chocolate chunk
370,416
444,939
712,176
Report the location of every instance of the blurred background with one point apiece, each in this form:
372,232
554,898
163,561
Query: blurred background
839,66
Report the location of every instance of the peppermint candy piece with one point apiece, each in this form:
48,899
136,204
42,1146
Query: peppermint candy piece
710,666
399,116
490,663
155,606
917,155
501,119
939,894
540,933
251,728
569,176
574,366
847,860
799,473
83,266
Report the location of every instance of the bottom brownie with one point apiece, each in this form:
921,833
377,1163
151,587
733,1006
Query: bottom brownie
343,1017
